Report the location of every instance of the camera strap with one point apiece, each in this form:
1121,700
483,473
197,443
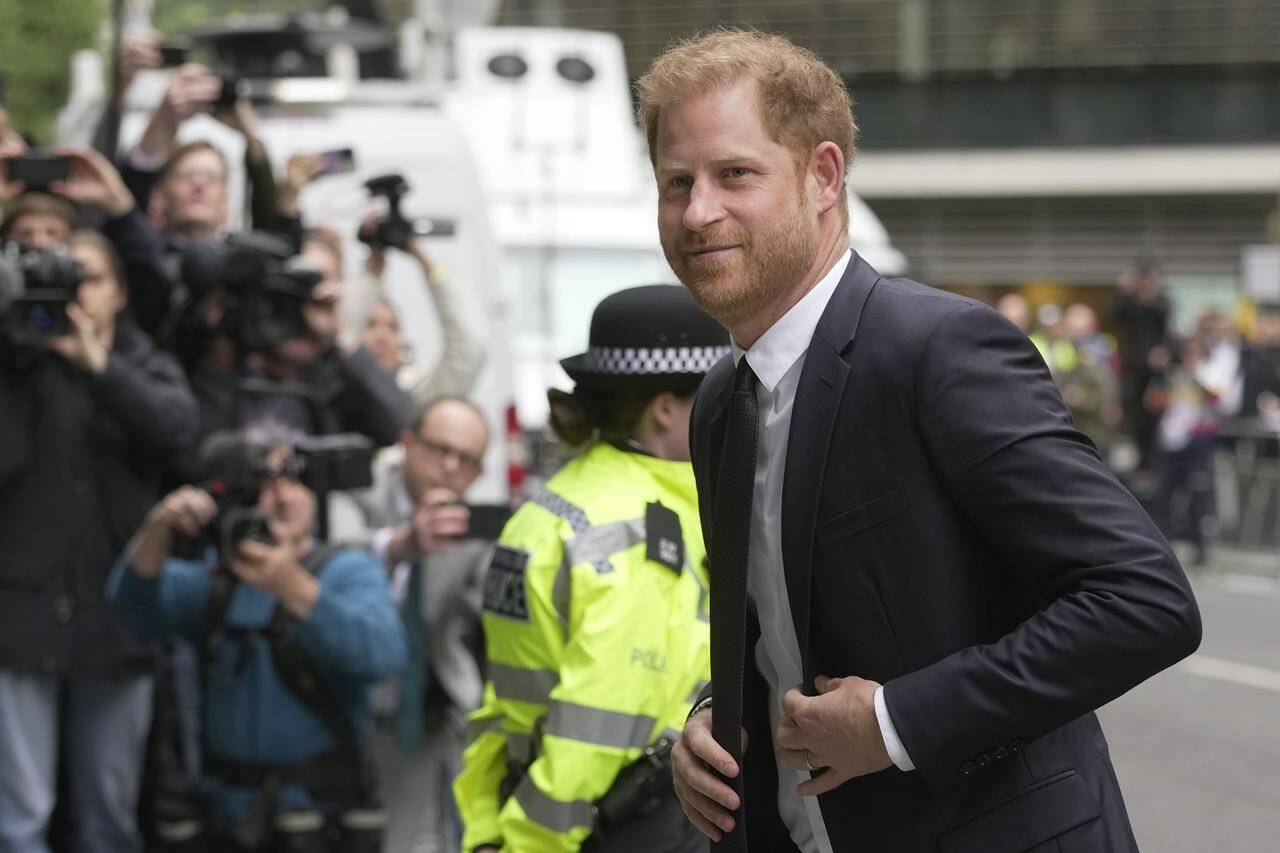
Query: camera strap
297,673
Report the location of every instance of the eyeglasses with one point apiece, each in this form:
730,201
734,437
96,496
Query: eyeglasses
466,461
212,176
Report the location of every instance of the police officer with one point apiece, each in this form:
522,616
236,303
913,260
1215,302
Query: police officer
596,603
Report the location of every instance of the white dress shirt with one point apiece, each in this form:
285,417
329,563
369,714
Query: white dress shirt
777,359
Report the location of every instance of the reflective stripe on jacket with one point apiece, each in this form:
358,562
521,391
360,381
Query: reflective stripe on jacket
595,650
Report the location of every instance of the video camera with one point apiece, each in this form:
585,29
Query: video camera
264,288
35,288
394,230
235,471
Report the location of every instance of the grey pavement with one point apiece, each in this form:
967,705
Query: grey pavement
1197,748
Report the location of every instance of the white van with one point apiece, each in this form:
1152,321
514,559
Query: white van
548,114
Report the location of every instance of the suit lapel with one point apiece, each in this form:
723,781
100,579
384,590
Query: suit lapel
823,383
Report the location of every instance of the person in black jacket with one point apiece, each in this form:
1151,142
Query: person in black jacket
86,422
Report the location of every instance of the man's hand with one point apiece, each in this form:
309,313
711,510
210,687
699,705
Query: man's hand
298,172
187,510
695,760
439,521
836,730
94,181
275,570
192,90
83,347
137,53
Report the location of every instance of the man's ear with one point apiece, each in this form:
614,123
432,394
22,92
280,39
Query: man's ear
825,177
406,438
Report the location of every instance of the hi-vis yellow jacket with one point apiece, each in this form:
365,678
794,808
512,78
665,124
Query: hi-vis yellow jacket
596,622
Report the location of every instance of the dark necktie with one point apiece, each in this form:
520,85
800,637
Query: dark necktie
730,543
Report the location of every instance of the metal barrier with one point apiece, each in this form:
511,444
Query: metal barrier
1247,486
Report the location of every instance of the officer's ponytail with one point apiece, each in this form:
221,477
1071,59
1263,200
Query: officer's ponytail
586,416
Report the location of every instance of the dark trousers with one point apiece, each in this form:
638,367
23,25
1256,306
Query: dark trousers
1191,470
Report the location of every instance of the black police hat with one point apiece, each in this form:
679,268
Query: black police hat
645,340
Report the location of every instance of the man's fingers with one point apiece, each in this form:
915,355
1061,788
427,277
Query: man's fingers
797,758
705,813
793,702
705,747
695,817
699,779
828,780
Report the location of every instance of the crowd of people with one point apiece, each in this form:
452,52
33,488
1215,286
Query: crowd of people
1155,402
221,471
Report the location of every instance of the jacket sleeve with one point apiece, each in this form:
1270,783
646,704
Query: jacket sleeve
142,251
369,401
146,391
171,603
463,354
354,627
1115,606
525,646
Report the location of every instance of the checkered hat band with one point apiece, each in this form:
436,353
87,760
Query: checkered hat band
640,361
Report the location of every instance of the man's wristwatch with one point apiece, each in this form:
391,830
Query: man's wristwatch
701,706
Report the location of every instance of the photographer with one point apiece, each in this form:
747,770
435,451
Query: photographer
372,316
42,220
184,187
413,520
293,635
275,355
87,419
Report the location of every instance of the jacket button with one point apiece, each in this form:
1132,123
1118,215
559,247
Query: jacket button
49,663
62,609
1015,744
968,768
81,487
983,760
1000,754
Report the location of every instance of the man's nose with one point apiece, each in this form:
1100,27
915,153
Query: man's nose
706,206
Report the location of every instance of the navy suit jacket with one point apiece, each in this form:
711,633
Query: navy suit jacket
947,532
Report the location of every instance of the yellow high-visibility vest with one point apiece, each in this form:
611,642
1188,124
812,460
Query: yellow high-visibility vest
598,637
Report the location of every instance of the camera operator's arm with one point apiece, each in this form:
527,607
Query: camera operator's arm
155,594
281,212
263,191
370,402
191,90
462,328
348,620
137,52
94,181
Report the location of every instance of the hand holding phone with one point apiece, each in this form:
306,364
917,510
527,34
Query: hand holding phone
37,170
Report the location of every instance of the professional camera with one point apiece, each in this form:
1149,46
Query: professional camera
394,230
235,471
35,287
264,287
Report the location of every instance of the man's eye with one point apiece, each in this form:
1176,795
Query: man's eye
680,182
739,172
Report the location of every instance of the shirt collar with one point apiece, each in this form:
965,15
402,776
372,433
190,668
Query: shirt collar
773,354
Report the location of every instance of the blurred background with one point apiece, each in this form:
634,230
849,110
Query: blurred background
1105,172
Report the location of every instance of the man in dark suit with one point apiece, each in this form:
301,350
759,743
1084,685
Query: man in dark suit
924,579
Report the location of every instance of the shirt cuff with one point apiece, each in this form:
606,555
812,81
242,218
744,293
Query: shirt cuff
144,162
892,743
